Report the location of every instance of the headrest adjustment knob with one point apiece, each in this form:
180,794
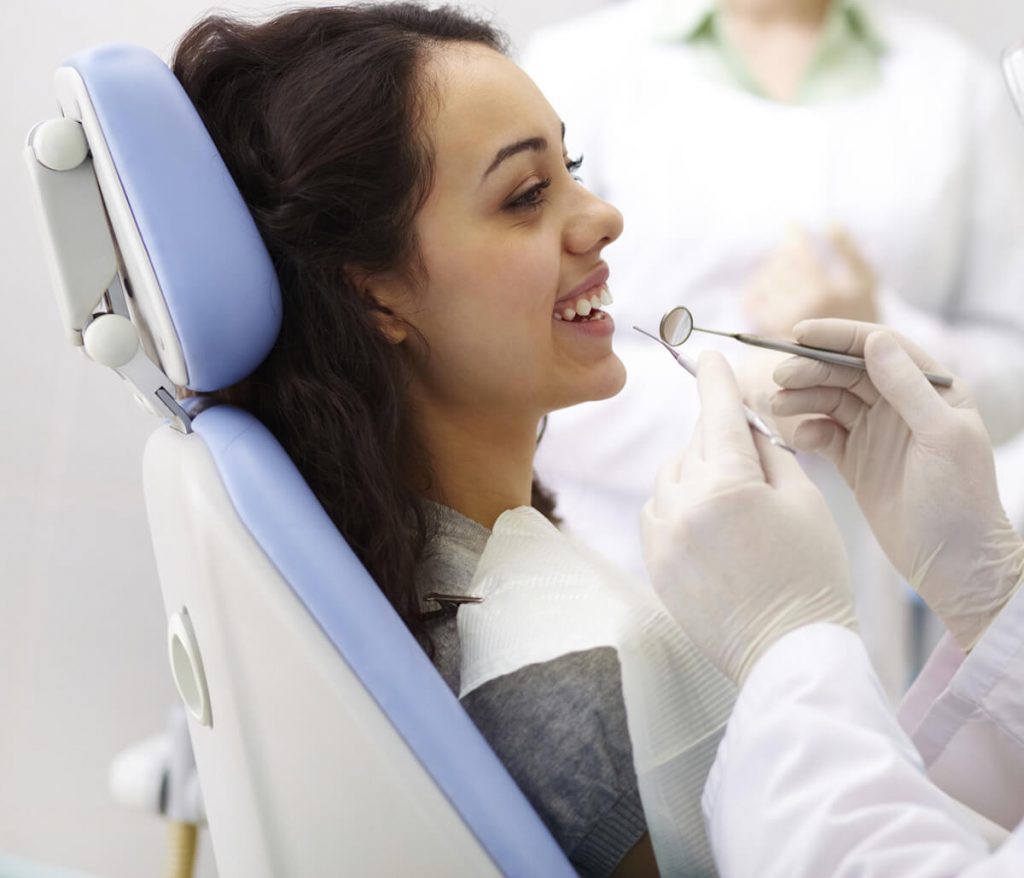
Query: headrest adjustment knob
60,144
111,340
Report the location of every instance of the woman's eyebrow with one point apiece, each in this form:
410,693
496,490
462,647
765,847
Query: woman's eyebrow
534,144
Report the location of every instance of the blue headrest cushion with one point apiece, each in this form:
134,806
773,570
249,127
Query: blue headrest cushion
216,276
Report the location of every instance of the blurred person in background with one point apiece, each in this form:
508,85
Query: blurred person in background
779,160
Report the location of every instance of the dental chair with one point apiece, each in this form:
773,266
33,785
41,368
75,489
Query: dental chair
326,742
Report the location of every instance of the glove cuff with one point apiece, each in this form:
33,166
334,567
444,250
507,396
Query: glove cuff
827,605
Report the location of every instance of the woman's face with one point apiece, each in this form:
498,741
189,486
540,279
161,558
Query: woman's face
509,241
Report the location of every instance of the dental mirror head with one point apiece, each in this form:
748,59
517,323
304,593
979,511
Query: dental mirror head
676,326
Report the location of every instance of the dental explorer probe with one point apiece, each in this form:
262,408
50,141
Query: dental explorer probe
677,325
755,420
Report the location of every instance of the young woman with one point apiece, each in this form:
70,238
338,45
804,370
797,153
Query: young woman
444,289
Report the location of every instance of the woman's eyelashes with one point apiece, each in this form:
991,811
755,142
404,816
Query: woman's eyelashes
572,166
533,197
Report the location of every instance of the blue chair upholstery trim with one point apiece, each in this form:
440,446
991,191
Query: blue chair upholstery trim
213,268
285,518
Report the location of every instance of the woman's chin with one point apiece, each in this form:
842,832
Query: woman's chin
616,379
601,382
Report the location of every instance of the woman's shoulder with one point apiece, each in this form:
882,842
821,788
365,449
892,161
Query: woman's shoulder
452,553
447,570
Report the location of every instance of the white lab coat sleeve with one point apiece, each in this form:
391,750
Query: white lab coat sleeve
965,715
979,332
816,777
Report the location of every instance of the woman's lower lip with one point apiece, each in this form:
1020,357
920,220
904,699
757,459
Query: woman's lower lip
596,328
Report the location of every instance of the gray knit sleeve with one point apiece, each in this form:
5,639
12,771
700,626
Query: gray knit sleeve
560,729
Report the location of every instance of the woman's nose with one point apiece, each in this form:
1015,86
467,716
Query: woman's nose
594,223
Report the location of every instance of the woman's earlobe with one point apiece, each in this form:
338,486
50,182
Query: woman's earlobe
391,326
376,292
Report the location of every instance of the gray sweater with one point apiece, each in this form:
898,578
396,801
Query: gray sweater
559,727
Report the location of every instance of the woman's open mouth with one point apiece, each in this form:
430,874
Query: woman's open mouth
586,307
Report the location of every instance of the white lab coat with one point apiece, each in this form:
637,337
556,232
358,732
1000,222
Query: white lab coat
926,172
815,776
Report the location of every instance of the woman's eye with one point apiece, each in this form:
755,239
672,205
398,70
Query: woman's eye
532,198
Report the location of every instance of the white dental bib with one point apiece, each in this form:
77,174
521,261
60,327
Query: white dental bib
546,595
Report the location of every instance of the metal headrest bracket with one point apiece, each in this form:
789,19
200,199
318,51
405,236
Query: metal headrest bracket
85,264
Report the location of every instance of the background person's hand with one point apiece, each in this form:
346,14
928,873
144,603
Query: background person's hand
738,542
800,280
920,465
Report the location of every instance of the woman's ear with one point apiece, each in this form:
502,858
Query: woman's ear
391,326
385,297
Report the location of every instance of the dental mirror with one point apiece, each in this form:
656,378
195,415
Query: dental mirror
677,326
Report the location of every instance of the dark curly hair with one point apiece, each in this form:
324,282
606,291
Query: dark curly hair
317,113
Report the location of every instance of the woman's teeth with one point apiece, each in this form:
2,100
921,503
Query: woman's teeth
587,306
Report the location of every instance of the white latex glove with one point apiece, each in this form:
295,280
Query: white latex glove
796,282
920,465
738,542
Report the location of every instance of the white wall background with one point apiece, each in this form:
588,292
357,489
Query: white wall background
82,668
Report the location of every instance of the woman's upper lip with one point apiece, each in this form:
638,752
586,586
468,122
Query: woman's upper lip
595,279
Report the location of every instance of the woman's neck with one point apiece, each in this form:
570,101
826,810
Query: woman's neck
478,468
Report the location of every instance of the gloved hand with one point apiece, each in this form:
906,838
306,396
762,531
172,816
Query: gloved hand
795,283
738,542
920,465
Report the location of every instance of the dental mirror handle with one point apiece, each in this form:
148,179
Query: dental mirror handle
755,420
824,356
